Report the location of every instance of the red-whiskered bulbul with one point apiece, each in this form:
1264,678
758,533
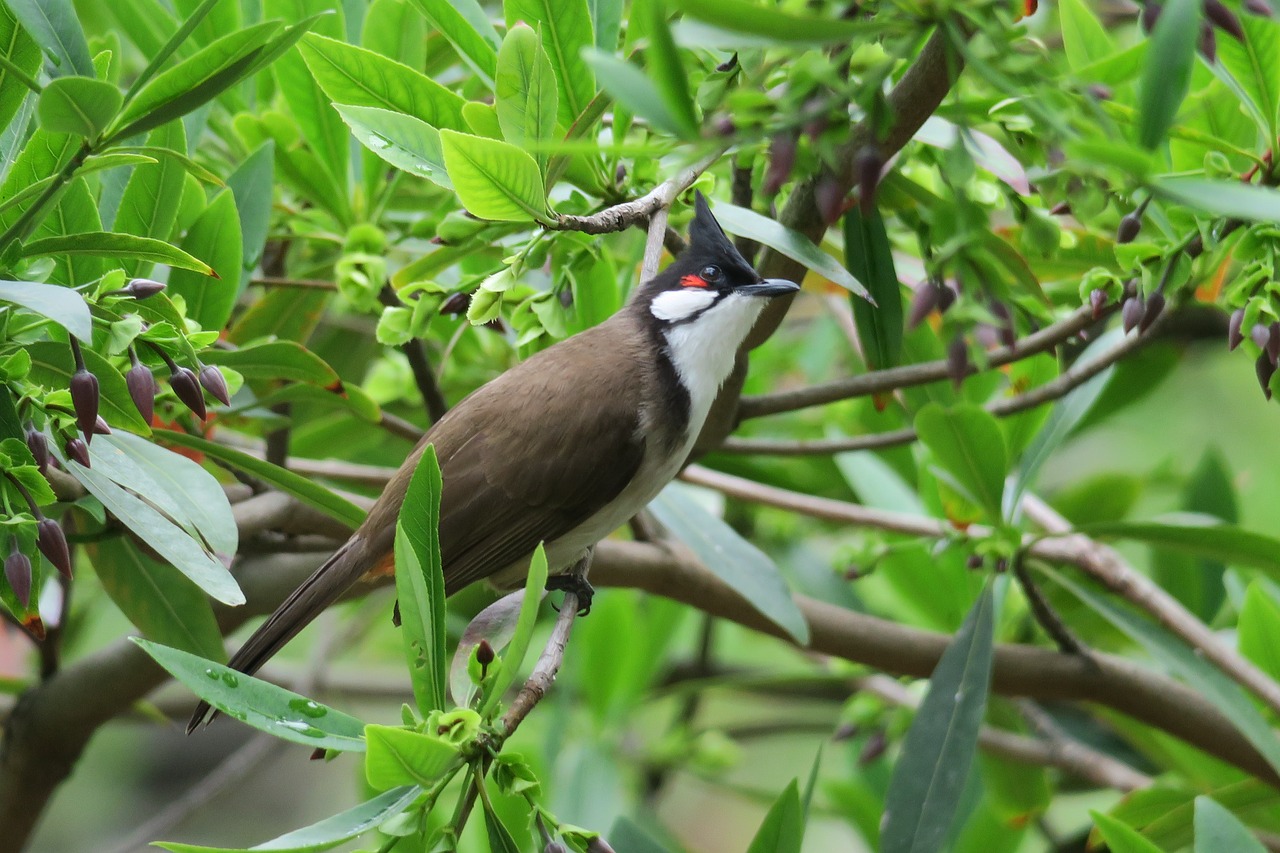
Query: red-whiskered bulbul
565,447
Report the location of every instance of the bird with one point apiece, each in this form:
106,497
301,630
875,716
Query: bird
566,446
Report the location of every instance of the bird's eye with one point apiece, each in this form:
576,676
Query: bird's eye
710,272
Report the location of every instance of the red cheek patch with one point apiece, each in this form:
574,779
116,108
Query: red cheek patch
693,281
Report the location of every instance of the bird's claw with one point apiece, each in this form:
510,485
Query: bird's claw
576,584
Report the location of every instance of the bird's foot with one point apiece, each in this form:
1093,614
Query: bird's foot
577,585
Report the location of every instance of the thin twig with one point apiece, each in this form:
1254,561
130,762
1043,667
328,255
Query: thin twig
544,671
398,426
424,376
653,244
273,281
1043,611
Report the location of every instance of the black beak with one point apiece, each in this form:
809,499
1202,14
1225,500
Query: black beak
769,287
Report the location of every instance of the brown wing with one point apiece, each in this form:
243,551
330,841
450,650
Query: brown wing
532,454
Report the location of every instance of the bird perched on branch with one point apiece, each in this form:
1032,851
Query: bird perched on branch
565,447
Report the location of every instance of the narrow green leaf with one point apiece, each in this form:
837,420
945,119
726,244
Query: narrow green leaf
924,791
1218,830
1259,629
1121,837
326,833
398,756
310,493
606,15
782,830
1084,39
420,584
1222,198
277,360
668,71
251,184
534,584
629,86
74,213
500,839
260,704
62,305
175,42
566,31
149,205
966,442
55,27
731,558
78,105
44,154
164,605
793,244
769,22
16,46
527,100
215,236
1174,656
353,75
1199,535
403,141
1252,69
869,258
110,244
493,179
472,48
1166,76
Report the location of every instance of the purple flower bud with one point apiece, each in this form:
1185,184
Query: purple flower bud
724,126
1235,336
729,64
1265,369
868,164
620,173
77,451
958,360
141,288
1130,225
828,198
1150,15
1152,311
38,445
213,381
1258,7
1062,208
1261,335
1131,313
17,570
782,157
1101,92
484,653
53,544
875,747
1004,329
946,297
456,304
101,427
599,845
187,387
973,562
1224,19
846,731
1208,46
1273,344
923,302
1097,301
142,389
555,847
84,397
1195,248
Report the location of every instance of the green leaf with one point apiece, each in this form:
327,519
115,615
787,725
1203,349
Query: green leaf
326,833
55,27
44,154
192,82
1259,629
165,606
1222,198
309,493
534,584
966,442
1175,657
565,26
1252,68
769,22
607,17
931,773
251,184
78,105
731,558
1121,837
477,53
494,180
1198,535
403,141
160,54
359,77
1218,830
782,830
149,205
110,244
62,305
17,46
629,86
260,704
526,93
500,839
1166,76
869,258
668,72
284,360
1084,39
398,756
420,584
793,244
215,236
74,213
53,367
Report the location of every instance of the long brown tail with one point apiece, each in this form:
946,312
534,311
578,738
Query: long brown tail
325,586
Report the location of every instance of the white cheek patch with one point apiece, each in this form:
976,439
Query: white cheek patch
704,350
681,304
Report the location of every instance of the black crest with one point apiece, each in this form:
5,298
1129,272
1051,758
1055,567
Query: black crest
707,238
